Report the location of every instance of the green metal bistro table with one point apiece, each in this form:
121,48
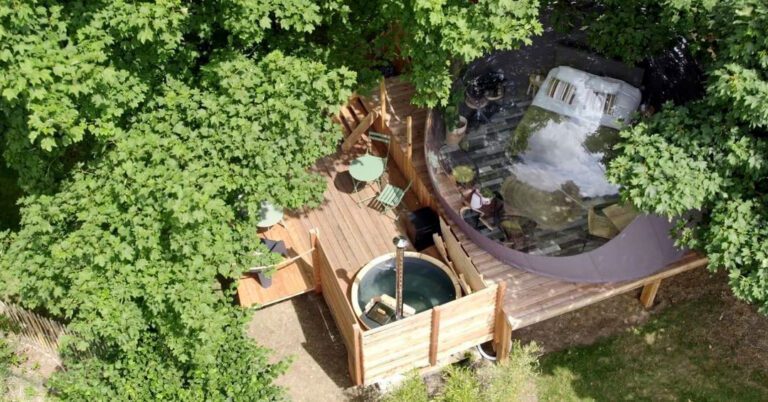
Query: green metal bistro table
365,169
269,215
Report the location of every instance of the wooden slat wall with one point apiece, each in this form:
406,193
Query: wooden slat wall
460,259
397,347
42,333
336,299
407,344
405,165
467,324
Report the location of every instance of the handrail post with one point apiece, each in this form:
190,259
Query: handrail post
383,101
315,245
409,137
356,357
434,336
502,334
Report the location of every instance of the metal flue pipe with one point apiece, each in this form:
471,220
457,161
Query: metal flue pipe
400,243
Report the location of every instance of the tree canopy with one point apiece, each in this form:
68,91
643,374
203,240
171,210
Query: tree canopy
707,156
139,128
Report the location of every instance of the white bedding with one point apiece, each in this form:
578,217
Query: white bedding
589,100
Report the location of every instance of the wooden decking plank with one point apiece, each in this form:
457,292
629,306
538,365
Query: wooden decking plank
338,211
334,239
377,229
327,239
346,217
514,306
353,217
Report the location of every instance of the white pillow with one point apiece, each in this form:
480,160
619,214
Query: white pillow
603,85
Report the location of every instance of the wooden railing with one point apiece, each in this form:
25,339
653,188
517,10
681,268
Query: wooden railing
341,310
401,152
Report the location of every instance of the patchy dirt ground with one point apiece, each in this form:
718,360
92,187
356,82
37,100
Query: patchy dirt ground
739,321
303,330
25,381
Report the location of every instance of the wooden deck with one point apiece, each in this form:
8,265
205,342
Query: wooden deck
288,281
351,234
529,298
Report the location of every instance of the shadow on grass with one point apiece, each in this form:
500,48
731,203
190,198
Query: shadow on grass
708,349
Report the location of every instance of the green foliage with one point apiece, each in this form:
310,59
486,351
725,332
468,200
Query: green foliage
708,156
235,370
514,380
143,251
134,127
692,351
9,195
631,30
434,39
8,359
440,36
412,389
57,88
461,385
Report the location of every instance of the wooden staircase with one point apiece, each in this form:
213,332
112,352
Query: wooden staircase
356,119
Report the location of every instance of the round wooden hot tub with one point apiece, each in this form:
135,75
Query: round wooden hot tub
427,283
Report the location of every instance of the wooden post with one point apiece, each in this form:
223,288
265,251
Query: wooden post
502,332
356,357
434,337
505,337
383,101
648,295
315,245
409,137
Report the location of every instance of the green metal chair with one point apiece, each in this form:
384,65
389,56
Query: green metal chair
390,198
382,139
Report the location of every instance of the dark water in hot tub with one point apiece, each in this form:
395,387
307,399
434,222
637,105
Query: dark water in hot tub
424,284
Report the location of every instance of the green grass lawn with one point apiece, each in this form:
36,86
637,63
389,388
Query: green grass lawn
698,350
9,194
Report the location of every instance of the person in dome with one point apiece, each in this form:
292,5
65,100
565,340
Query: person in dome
488,204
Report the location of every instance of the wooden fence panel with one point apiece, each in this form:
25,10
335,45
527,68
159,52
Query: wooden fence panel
342,313
41,332
337,301
421,340
461,261
397,347
467,324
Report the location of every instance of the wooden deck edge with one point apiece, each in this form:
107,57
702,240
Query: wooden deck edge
688,263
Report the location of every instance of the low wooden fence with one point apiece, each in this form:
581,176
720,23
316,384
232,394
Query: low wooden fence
34,330
425,339
341,310
431,336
